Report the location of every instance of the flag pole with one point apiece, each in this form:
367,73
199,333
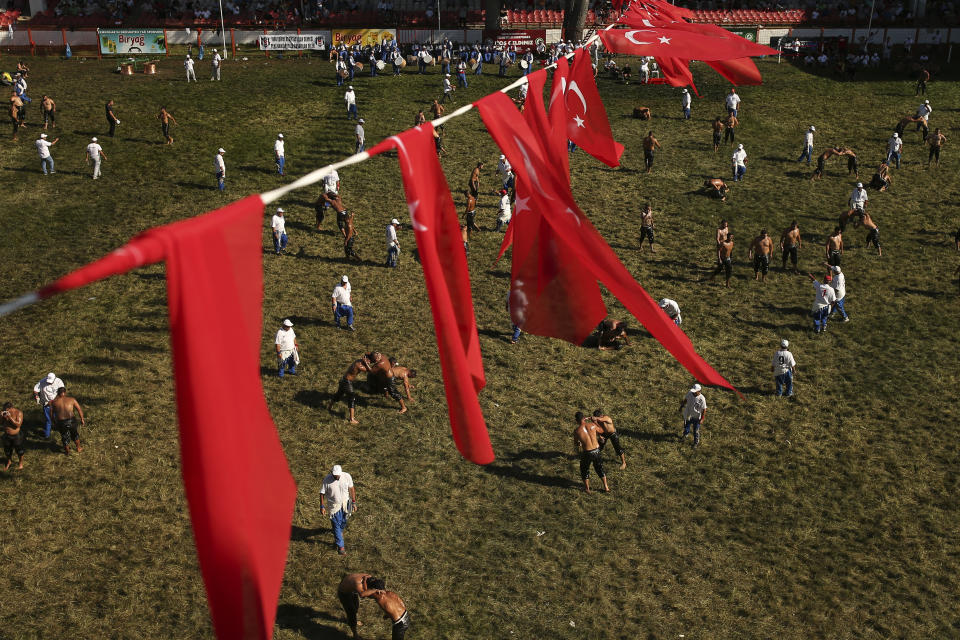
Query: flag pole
223,31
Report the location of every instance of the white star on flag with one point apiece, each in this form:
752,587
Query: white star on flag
664,40
521,204
413,206
579,121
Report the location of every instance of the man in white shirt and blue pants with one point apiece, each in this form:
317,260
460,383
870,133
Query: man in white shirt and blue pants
287,347
278,153
807,145
339,498
685,101
44,392
694,407
393,247
783,366
342,306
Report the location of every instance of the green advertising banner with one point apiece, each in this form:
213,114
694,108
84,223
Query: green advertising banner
749,34
131,42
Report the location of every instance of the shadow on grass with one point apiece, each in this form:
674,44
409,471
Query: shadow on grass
495,334
303,534
308,321
138,329
525,476
315,399
649,436
300,226
89,378
128,346
195,185
257,169
96,361
301,619
534,454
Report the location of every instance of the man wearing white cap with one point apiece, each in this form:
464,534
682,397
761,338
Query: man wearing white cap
858,199
278,153
221,169
350,98
43,149
215,66
807,145
672,309
288,349
339,498
824,299
360,135
894,145
839,285
342,306
188,65
733,103
783,367
393,247
923,112
503,166
685,101
44,392
279,227
739,159
447,89
95,154
694,408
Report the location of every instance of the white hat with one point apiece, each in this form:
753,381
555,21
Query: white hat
503,157
683,91
361,120
336,470
448,75
926,102
695,388
784,343
350,87
394,221
344,279
859,185
221,150
895,135
835,269
188,56
214,50
812,128
93,139
739,146
51,377
280,135
663,302
287,323
280,210
43,135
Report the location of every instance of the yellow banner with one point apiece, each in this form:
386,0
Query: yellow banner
363,37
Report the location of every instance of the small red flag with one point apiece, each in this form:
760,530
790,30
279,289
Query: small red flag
587,123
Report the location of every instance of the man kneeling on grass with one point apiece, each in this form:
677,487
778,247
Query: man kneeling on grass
610,332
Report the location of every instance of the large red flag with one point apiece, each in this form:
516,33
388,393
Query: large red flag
680,43
582,244
587,123
676,71
739,71
654,9
437,229
237,482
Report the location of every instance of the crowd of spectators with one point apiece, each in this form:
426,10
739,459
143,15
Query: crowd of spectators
844,12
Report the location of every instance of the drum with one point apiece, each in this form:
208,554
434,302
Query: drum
150,68
381,65
411,59
358,66
523,64
401,61
427,58
344,73
126,69
444,60
474,64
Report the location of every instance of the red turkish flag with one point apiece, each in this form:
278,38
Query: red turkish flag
437,229
654,10
685,41
238,486
587,124
676,71
739,71
577,243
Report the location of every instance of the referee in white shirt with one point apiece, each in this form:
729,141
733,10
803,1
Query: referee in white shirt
783,367
393,247
339,498
342,306
287,349
278,153
44,392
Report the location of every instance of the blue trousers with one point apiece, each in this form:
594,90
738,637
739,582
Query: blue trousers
279,243
738,173
220,182
288,365
373,69
48,420
479,70
686,113
807,152
352,111
516,333
339,80
339,522
281,162
351,69
462,78
343,311
820,318
47,165
392,254
784,383
692,423
838,306
895,156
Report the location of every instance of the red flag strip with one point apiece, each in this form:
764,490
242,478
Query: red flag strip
663,41
437,229
654,10
739,71
238,485
564,224
587,123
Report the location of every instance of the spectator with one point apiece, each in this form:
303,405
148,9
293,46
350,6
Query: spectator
339,497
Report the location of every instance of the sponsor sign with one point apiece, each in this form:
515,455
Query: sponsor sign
292,42
520,39
749,34
131,42
362,37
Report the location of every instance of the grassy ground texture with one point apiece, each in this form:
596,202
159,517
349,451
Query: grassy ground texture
832,515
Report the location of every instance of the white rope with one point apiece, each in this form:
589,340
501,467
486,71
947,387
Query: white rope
319,174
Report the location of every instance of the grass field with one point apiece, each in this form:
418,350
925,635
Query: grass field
832,515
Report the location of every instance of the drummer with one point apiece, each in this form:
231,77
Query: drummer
476,55
396,61
462,73
504,61
373,64
445,56
527,63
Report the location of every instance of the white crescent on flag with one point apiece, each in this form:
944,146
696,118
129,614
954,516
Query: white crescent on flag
574,88
629,36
